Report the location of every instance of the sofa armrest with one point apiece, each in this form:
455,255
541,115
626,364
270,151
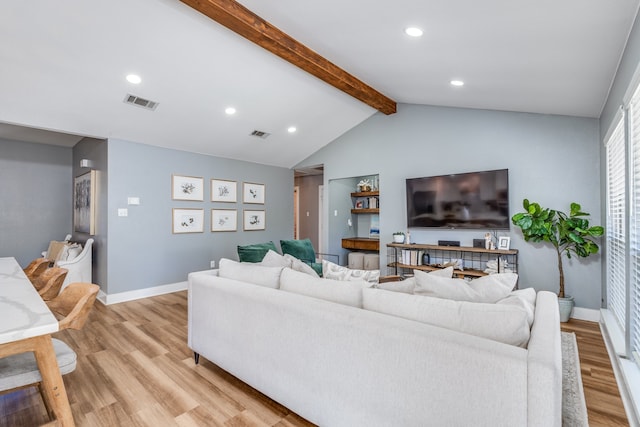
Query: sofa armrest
545,364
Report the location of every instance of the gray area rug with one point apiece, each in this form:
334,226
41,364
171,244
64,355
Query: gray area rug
574,407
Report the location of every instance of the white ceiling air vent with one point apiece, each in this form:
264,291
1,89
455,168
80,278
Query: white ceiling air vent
140,102
260,134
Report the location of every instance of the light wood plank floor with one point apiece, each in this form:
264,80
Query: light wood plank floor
135,369
604,405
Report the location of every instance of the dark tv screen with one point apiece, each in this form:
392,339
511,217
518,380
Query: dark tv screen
475,200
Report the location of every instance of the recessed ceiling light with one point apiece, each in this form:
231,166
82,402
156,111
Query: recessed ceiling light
230,111
457,83
292,129
134,79
413,31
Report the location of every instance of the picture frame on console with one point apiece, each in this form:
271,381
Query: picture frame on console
504,243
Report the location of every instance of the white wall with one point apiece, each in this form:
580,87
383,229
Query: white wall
553,160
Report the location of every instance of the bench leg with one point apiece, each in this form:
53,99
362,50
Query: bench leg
196,357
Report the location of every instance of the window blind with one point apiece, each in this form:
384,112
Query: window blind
616,224
634,285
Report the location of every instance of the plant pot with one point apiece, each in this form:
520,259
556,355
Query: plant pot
398,238
566,307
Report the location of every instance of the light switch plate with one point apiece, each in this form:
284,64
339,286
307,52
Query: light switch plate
123,212
133,200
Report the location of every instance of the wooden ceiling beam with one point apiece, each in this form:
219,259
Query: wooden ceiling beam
241,20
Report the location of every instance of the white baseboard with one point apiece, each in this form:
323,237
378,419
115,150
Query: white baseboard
141,293
586,314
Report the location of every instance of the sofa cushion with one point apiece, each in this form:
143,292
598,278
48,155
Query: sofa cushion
334,271
341,292
250,272
524,298
487,289
499,322
256,252
301,249
408,285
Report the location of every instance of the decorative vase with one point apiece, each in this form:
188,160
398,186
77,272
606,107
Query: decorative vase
566,307
398,238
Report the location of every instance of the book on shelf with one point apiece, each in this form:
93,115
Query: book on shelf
411,257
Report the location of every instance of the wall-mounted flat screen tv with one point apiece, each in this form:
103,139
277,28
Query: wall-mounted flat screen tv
475,200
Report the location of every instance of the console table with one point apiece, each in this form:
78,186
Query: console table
361,244
474,259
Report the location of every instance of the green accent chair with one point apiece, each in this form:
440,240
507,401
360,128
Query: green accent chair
256,252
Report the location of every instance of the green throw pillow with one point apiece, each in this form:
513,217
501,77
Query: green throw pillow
301,249
317,266
255,253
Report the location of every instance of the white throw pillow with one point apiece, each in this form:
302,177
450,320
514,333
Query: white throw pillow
301,266
274,259
405,286
334,271
487,289
441,272
341,292
69,251
499,322
250,273
408,285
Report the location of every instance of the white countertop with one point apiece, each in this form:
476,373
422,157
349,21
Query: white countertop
23,313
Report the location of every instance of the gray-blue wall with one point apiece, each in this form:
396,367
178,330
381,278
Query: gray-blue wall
142,250
95,150
626,80
35,205
626,72
554,160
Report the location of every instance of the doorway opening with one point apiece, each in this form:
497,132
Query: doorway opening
309,205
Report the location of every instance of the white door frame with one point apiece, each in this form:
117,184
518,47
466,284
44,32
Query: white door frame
296,211
321,219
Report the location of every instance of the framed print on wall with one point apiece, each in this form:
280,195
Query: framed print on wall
187,188
188,221
224,220
253,220
224,191
253,193
84,203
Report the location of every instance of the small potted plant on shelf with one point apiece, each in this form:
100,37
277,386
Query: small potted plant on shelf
364,185
398,237
568,234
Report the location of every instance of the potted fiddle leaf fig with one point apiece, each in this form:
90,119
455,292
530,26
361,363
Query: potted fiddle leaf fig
570,234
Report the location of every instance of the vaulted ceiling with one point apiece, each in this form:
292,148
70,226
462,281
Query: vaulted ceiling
64,65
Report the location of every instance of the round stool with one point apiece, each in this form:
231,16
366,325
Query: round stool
372,262
356,261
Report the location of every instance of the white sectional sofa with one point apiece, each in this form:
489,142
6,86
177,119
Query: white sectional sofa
337,364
